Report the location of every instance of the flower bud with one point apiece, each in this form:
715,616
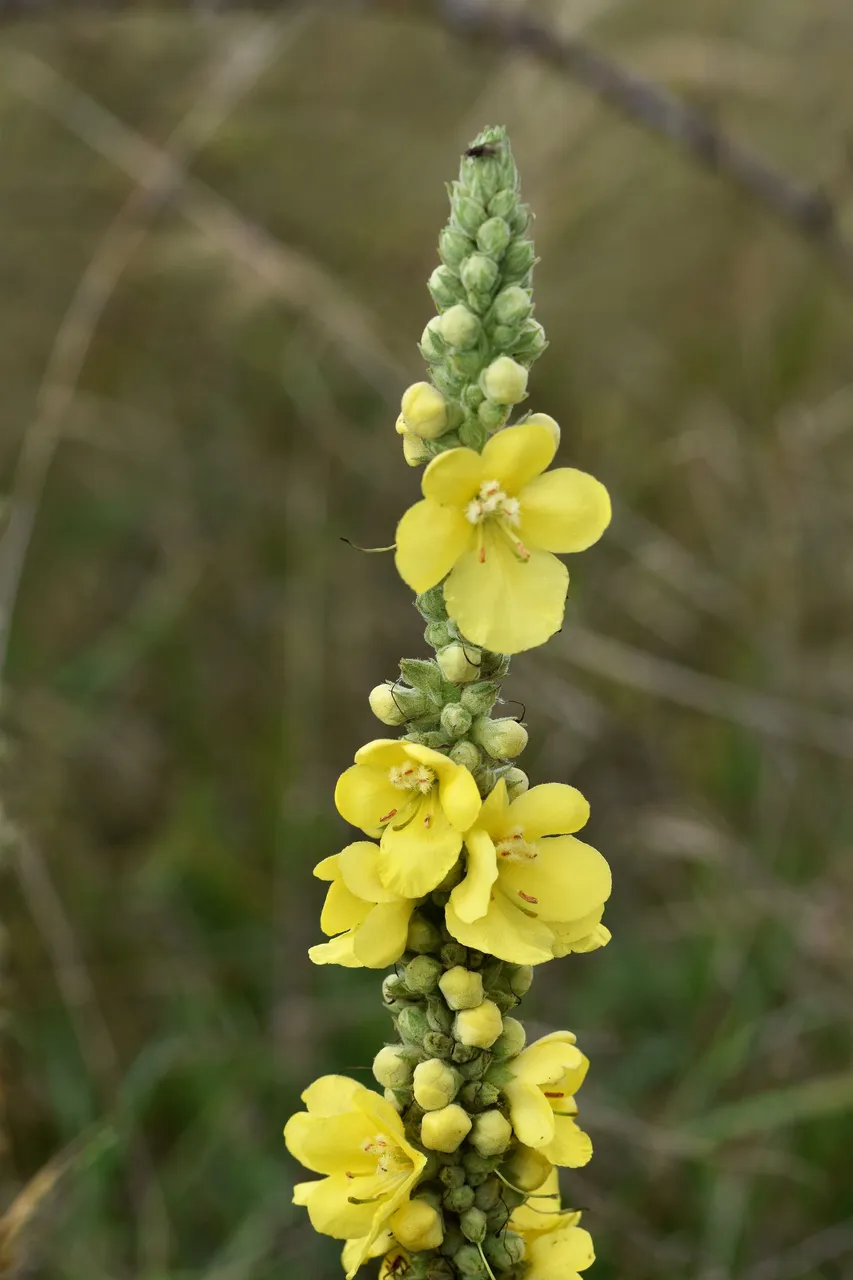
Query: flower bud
438,1045
504,1250
392,1067
480,1026
430,604
511,1041
491,1133
517,782
423,935
459,663
393,1096
521,979
479,698
461,988
468,1262
453,953
425,410
518,259
492,415
417,1225
469,213
493,237
472,396
415,451
454,247
526,1168
432,346
466,754
460,328
446,287
438,634
500,1214
489,1194
455,720
384,707
479,274
439,1017
400,425
459,1199
531,342
446,1129
503,382
545,420
412,1024
512,305
503,205
422,973
435,1084
500,738
473,1225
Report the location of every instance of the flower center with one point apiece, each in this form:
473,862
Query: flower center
389,1157
411,777
492,501
514,848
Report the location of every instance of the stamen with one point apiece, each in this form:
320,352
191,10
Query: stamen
483,554
554,1095
428,821
528,898
392,813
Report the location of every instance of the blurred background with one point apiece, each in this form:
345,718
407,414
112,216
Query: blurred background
216,232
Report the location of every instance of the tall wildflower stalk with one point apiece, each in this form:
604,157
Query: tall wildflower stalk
469,877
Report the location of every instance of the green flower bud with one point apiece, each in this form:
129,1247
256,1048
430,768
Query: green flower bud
476,1068
545,420
479,698
392,1067
417,1225
394,988
432,346
459,1199
491,1133
472,396
492,415
511,1041
454,247
517,782
430,604
459,663
504,381
493,237
526,1168
438,1045
453,953
500,738
480,1026
464,1053
519,220
518,260
499,1215
446,287
512,305
435,1084
455,720
412,1024
504,999
531,342
504,1250
438,634
504,204
415,451
425,410
423,935
504,336
461,988
469,213
439,1017
461,330
472,434
521,979
479,274
477,1167
446,1129
473,1225
422,974
453,1242
469,1263
489,1194
466,754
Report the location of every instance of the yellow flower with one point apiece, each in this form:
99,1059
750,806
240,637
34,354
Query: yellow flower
370,921
531,891
419,800
356,1139
492,521
355,1252
396,1263
541,1102
556,1247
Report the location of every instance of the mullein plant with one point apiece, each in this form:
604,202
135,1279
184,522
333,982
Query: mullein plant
467,877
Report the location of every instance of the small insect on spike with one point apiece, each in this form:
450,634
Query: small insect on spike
480,151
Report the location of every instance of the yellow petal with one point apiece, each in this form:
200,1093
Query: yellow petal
333,1095
414,859
546,1061
531,1115
328,868
341,950
494,813
359,868
504,603
571,1147
356,1252
342,910
383,753
565,510
540,1214
459,796
516,455
330,1144
470,899
597,937
552,809
364,796
453,478
330,1210
568,879
503,932
560,1254
381,939
430,539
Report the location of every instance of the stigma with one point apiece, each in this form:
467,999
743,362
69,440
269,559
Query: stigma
514,848
492,502
411,777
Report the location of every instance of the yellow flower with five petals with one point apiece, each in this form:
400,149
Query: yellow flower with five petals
420,801
492,521
531,890
542,1107
556,1247
367,923
357,1141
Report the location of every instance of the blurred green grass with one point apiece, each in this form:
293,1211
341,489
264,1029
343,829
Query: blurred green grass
193,644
